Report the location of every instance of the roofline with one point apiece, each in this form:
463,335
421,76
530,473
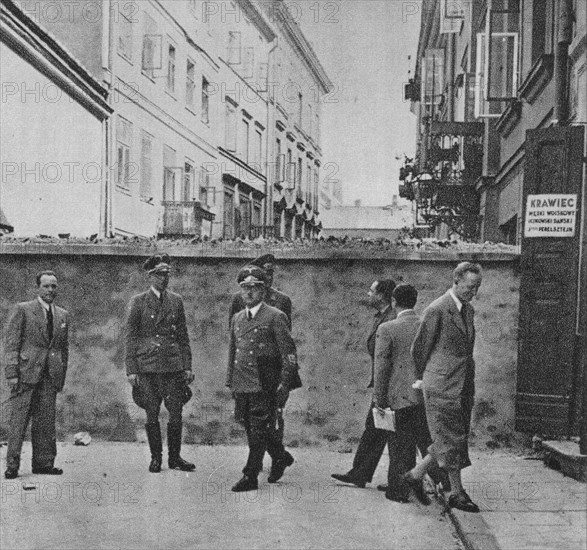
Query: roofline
42,51
300,43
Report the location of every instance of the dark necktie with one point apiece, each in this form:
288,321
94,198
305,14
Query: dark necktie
464,315
50,323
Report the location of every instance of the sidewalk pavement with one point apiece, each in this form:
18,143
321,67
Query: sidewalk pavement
107,499
524,505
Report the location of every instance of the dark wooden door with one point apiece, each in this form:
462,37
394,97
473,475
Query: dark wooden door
548,288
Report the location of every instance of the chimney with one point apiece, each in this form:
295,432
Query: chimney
394,201
358,203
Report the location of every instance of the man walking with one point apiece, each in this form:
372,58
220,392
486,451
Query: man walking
262,369
37,352
372,440
395,373
159,361
272,296
443,355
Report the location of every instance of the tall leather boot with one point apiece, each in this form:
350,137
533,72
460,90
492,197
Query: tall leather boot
155,445
174,448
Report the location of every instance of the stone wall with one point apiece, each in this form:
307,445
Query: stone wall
330,325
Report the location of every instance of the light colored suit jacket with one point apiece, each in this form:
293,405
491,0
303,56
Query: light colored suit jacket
395,371
443,348
28,348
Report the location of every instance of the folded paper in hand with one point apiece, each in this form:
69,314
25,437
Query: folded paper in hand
384,419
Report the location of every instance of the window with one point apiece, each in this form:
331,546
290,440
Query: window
432,76
257,222
190,84
244,140
125,34
205,101
204,187
151,55
169,174
145,188
123,146
245,215
308,184
279,162
171,69
299,175
188,194
234,48
290,170
230,127
229,214
542,28
258,154
300,109
310,129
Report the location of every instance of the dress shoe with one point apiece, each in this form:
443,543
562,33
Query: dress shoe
279,466
50,471
345,478
462,501
155,465
11,473
382,488
417,486
395,497
246,483
178,463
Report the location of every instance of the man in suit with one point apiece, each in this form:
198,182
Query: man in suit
37,352
159,361
443,355
395,373
272,297
372,440
262,369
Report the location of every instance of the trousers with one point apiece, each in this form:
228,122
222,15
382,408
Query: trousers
37,403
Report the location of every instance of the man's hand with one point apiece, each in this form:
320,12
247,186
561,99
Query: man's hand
133,379
281,396
12,382
418,385
189,376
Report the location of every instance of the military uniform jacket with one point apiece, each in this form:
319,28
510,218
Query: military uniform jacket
272,297
28,349
156,334
262,353
443,349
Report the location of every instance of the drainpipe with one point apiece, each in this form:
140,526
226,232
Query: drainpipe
561,61
268,217
451,77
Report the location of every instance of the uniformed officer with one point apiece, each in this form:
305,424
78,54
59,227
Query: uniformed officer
272,296
159,360
262,369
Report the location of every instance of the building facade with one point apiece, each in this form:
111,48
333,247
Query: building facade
54,125
192,148
500,94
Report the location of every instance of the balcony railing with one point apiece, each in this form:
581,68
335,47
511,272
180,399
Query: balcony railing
183,218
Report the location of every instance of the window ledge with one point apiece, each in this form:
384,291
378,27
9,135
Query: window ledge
509,118
537,79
